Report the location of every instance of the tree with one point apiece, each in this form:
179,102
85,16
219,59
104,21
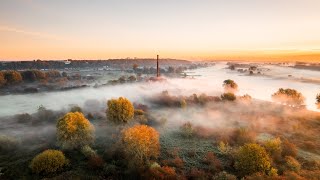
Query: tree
230,86
12,77
3,81
252,158
135,67
187,129
288,96
228,97
120,110
141,143
49,161
317,98
132,79
74,131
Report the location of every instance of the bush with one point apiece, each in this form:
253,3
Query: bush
49,161
139,115
7,143
289,149
273,147
74,131
95,162
12,77
252,158
3,81
288,96
292,164
187,129
88,152
243,135
228,97
76,109
120,110
141,143
224,148
224,176
161,173
213,162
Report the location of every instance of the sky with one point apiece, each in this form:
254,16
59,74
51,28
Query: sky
267,30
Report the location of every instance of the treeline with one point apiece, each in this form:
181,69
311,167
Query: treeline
114,63
15,77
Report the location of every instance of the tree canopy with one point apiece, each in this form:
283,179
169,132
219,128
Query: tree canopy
120,110
74,131
289,97
230,86
141,143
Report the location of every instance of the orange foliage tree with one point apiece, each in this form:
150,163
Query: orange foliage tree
141,143
74,131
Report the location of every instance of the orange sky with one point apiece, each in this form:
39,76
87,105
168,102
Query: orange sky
270,30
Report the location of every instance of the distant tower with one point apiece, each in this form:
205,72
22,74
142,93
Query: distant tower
158,70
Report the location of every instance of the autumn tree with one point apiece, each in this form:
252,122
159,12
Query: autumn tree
3,81
135,67
12,77
288,96
230,86
74,131
141,143
120,110
49,161
252,158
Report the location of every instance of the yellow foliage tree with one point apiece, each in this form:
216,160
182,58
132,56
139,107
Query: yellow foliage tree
49,161
141,143
74,131
252,158
120,110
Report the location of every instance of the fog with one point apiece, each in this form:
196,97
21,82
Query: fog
207,80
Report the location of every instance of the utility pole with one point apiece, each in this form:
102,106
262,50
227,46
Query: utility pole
158,70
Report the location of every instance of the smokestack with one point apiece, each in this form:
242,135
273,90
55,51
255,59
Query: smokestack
158,70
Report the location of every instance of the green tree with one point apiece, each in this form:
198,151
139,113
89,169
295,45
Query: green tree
74,131
252,158
230,86
120,110
288,96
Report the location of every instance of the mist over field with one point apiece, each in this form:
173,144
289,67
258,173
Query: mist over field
206,80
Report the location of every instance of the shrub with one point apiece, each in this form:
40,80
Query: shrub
139,115
120,110
224,148
88,152
198,174
74,131
95,162
228,97
230,86
183,103
161,173
288,96
49,161
224,176
273,147
289,149
213,162
252,158
141,143
24,118
187,129
243,135
292,164
7,143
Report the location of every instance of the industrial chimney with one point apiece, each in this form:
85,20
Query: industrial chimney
158,70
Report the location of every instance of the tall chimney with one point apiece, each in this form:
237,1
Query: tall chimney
158,70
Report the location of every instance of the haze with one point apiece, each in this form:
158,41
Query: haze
273,30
